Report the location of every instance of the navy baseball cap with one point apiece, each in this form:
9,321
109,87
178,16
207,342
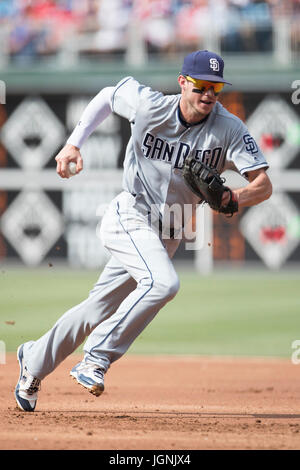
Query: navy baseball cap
204,65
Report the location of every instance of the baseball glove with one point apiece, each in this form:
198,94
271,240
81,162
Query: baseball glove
206,183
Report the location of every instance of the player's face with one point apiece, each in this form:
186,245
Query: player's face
198,98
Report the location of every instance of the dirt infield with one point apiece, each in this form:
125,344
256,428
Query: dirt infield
160,403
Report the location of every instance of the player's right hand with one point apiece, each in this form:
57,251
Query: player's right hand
69,153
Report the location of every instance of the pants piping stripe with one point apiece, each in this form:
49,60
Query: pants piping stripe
145,293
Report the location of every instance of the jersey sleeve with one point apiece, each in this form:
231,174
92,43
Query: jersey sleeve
97,110
127,97
243,152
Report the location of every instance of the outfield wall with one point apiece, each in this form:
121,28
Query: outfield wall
46,219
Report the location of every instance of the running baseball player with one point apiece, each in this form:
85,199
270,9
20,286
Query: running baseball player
139,279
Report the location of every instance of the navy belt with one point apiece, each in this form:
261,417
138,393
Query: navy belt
171,229
160,224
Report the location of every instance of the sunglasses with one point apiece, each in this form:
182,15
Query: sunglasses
204,85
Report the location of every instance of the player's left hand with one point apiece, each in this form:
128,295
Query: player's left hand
206,182
226,198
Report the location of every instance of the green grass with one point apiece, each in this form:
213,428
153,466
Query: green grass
229,314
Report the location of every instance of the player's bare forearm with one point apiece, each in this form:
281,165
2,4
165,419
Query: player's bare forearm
69,153
258,190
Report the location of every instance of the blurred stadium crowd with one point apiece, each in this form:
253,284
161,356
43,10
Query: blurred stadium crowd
33,29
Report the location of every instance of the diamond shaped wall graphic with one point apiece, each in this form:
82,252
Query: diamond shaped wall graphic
32,133
268,229
270,125
32,224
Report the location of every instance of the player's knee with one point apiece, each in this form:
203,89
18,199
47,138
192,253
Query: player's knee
168,289
173,288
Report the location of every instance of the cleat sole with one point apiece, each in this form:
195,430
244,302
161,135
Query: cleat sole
95,390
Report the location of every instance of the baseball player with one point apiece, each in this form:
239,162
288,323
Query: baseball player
139,279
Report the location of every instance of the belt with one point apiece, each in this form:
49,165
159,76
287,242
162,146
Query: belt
171,229
160,224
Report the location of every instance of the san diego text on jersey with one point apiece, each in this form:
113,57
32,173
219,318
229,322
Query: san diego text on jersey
156,148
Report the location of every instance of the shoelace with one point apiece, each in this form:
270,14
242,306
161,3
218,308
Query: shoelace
34,386
87,366
98,372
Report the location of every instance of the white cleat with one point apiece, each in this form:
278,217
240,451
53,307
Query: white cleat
89,376
27,388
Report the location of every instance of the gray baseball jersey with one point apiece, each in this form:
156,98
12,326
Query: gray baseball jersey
161,141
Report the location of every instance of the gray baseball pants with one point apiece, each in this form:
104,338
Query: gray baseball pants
138,280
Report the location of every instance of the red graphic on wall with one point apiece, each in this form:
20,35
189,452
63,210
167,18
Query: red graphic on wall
273,234
270,142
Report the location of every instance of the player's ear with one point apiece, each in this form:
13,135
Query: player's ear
181,81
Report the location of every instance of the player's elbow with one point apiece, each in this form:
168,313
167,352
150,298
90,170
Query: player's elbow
268,190
264,186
